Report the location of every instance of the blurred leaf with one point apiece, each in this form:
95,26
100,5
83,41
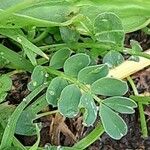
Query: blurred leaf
59,57
113,59
69,35
5,83
120,104
109,29
109,87
75,63
69,101
90,74
90,114
113,124
54,90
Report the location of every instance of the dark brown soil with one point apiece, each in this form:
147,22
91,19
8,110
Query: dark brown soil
58,131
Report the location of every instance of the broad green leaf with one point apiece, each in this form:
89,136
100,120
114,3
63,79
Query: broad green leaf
75,63
109,29
2,96
25,125
113,59
59,57
38,77
109,87
69,35
113,124
90,74
90,114
69,101
5,83
54,90
121,104
1,132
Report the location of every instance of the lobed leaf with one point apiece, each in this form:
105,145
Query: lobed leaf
75,63
69,101
59,57
54,90
90,114
113,124
108,86
121,104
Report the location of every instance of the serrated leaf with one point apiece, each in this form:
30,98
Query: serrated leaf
113,124
69,101
109,29
25,125
113,59
108,86
75,63
121,104
54,90
37,78
90,74
69,35
90,114
5,83
59,57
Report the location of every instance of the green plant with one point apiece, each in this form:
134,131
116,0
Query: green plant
59,43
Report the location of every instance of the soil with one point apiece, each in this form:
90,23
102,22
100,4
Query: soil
72,130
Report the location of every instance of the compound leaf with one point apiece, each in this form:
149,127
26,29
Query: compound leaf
69,101
113,124
108,86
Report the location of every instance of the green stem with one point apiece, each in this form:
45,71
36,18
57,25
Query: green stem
141,109
77,45
45,114
41,36
90,138
136,53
